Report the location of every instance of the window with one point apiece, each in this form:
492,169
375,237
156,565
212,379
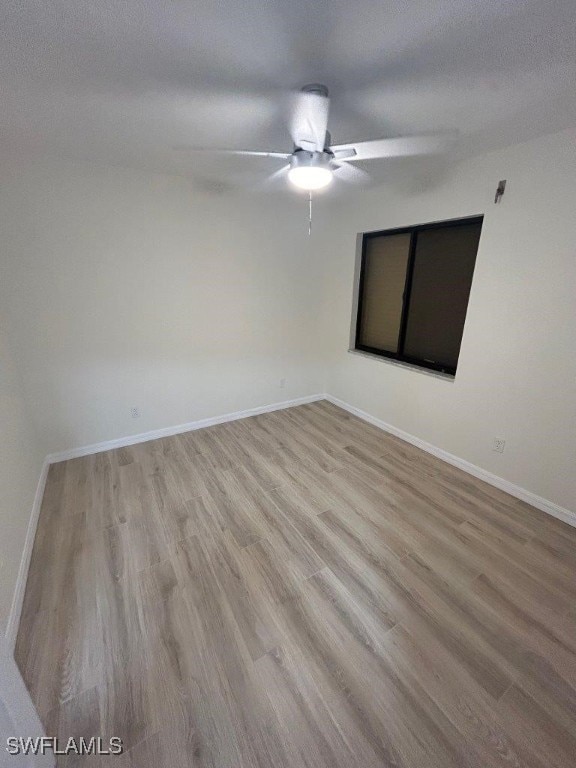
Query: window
413,292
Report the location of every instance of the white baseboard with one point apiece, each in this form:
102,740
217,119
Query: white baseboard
144,437
18,599
539,502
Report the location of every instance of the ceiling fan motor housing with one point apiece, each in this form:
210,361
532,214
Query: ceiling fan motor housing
302,158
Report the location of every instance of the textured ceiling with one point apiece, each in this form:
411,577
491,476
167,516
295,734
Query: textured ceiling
124,82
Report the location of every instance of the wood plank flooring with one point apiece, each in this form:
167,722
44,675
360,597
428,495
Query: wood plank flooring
299,590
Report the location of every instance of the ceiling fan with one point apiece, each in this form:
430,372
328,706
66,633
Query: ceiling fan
315,162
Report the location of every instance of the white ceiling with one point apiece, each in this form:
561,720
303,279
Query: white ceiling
124,82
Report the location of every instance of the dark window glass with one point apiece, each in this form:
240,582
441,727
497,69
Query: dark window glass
414,289
385,265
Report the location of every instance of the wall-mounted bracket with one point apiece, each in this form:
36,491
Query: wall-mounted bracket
500,191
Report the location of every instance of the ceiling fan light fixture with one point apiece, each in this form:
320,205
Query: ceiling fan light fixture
310,170
310,177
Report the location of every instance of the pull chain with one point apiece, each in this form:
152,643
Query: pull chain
309,213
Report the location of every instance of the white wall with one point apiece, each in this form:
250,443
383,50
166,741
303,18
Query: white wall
20,465
516,375
134,289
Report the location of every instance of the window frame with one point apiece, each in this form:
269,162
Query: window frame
413,231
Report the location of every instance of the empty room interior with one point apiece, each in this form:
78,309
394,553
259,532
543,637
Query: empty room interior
288,384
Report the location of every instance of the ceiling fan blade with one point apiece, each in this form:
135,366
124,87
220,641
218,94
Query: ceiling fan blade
309,120
404,146
241,152
277,177
343,154
350,174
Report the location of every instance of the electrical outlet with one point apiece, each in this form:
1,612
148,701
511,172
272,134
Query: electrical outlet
135,413
282,383
498,444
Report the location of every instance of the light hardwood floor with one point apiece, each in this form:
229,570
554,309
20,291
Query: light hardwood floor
294,590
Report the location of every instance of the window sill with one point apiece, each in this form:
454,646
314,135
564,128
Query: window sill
400,364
